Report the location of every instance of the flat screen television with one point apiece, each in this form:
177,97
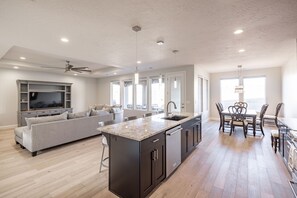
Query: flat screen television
43,100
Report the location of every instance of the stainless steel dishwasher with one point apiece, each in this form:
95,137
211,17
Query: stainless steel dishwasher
173,149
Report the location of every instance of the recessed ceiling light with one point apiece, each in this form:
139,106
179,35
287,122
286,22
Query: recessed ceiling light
115,73
160,42
23,58
139,62
64,40
241,50
75,74
239,31
15,67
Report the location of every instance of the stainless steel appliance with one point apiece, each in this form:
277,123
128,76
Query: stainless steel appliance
173,149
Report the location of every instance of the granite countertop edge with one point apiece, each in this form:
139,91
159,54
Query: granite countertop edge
143,128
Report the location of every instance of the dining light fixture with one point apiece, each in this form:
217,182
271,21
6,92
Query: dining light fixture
239,88
136,74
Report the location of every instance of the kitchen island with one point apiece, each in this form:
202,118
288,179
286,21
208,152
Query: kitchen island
137,151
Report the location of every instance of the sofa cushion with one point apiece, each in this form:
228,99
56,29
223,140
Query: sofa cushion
37,120
78,114
116,110
98,112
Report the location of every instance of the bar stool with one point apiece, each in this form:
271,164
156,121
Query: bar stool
105,145
274,139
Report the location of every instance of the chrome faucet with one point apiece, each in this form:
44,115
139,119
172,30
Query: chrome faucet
167,113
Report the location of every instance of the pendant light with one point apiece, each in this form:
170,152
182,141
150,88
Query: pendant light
136,74
175,82
239,88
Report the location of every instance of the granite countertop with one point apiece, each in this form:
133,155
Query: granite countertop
143,128
289,122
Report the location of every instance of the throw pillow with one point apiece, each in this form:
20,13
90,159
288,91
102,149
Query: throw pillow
38,120
78,115
116,110
98,112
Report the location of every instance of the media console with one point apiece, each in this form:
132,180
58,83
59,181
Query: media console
42,98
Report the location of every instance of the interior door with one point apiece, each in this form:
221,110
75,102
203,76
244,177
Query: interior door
175,91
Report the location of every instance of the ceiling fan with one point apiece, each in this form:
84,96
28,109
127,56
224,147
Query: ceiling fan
69,67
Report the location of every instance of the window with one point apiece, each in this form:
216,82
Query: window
157,94
128,94
254,92
115,93
141,95
205,95
228,95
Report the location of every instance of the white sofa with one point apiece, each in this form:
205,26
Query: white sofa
49,134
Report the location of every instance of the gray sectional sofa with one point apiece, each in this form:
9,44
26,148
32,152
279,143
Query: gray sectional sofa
44,135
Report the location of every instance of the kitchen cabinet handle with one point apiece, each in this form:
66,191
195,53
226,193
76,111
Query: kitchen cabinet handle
157,154
153,155
156,140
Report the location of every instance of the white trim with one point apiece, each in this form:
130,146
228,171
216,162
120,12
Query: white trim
7,127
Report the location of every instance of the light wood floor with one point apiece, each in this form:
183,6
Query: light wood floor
221,166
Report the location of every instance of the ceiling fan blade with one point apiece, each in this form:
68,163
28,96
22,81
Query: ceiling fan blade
80,68
86,70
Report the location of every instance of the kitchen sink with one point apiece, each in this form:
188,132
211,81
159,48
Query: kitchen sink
175,117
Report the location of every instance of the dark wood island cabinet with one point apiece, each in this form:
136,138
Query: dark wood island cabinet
136,167
137,152
190,136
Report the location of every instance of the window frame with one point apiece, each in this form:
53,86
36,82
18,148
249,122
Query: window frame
111,91
265,89
239,95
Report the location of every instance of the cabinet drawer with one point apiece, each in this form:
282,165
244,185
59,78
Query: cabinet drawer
43,113
152,141
28,114
191,122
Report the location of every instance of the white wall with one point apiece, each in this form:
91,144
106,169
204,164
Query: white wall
199,72
83,91
104,84
273,87
289,76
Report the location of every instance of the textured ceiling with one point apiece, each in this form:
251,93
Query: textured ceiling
100,33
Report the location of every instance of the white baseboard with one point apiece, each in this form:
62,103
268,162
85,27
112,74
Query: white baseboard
7,127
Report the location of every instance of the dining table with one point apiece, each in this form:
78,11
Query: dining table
250,113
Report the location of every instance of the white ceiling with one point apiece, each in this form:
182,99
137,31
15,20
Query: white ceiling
100,33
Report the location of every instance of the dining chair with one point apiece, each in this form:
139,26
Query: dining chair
105,145
238,118
242,104
224,121
260,119
274,117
